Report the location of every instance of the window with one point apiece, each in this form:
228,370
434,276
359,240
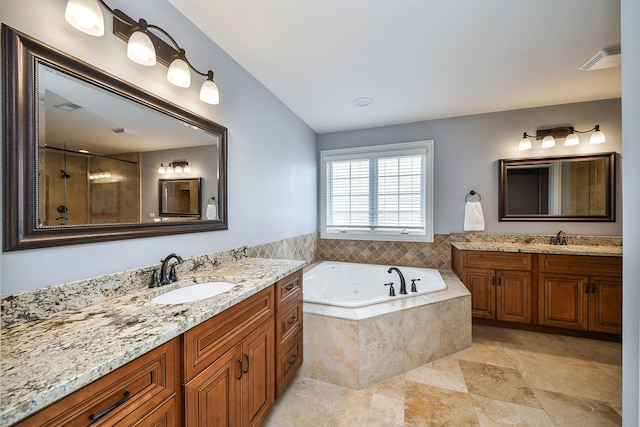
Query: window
378,193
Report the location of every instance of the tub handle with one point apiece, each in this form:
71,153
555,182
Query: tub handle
392,292
413,285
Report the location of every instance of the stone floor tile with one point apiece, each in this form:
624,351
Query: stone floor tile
433,406
388,409
497,382
393,388
498,413
490,333
438,378
570,411
351,410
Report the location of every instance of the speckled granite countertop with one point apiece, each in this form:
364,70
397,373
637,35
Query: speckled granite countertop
543,248
45,360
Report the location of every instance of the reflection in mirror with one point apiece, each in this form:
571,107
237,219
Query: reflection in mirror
180,197
83,151
554,188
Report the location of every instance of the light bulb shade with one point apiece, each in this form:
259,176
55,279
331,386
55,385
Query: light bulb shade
179,73
209,92
548,142
178,169
86,16
187,169
597,137
162,169
572,139
140,49
525,144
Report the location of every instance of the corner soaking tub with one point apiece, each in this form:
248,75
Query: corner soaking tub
356,335
342,284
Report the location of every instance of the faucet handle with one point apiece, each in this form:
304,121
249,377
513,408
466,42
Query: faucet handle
413,285
173,276
155,279
392,292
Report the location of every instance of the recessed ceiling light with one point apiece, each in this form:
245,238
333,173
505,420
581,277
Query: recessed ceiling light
362,102
83,151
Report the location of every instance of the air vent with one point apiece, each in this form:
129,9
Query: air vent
69,106
607,58
127,131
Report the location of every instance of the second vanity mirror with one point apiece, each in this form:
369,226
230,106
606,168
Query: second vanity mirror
561,188
83,152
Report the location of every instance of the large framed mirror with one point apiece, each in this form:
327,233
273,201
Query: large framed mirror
83,152
561,188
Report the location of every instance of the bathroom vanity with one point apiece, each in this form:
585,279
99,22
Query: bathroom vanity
219,361
571,289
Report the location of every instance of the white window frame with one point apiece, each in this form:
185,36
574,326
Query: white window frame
387,150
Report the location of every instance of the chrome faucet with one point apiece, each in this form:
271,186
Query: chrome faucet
169,277
559,239
403,284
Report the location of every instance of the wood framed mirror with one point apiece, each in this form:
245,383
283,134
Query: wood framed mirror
180,198
82,151
561,188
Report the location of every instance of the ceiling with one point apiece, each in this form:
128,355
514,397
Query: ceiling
417,59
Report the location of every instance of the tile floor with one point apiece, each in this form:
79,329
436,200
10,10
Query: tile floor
506,378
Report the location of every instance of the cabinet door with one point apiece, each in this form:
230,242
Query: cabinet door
480,283
212,398
564,301
258,376
513,293
605,310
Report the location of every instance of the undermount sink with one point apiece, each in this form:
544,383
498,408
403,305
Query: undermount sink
193,293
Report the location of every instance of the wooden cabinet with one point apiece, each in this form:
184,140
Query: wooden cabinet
501,292
140,393
577,294
589,301
230,365
288,329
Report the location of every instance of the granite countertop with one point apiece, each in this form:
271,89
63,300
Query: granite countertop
543,248
45,360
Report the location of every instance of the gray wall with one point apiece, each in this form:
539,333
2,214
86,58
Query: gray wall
467,150
272,153
631,234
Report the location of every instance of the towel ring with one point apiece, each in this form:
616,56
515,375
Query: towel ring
472,193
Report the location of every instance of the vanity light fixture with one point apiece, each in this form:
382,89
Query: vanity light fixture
570,135
143,46
174,167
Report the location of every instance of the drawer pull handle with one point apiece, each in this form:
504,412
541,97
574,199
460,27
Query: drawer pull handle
246,357
292,320
125,397
240,363
290,287
292,359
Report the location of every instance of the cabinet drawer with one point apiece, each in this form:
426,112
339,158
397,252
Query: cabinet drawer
136,387
582,264
208,341
287,363
497,260
288,322
288,289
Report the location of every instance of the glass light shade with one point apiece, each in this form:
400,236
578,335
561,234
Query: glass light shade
548,142
162,170
86,16
597,137
187,169
140,49
178,169
572,139
179,73
209,92
525,144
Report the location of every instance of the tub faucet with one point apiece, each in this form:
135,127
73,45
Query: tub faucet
165,276
403,284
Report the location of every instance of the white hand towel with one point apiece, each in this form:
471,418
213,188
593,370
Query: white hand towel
473,218
212,211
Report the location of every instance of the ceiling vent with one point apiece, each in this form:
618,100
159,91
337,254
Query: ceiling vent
68,106
607,58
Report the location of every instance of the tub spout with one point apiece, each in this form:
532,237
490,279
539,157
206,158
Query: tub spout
403,284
